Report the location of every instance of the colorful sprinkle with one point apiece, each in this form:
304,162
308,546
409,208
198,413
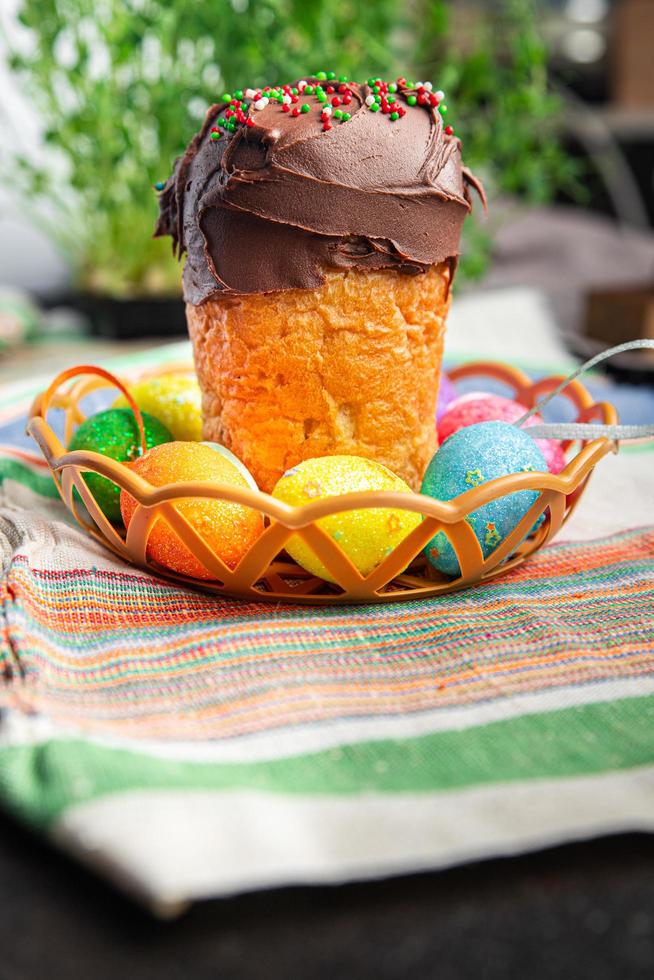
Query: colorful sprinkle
392,98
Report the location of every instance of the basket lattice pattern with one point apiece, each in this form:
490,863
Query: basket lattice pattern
266,572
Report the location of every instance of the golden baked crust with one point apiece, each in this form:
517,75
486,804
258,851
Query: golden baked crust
349,368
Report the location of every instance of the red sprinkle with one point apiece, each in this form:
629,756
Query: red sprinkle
294,98
296,111
326,126
336,101
347,98
449,130
433,100
249,122
286,108
342,88
330,90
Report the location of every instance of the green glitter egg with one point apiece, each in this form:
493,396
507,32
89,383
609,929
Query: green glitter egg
115,433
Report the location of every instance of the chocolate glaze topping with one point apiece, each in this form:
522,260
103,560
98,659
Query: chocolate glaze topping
274,204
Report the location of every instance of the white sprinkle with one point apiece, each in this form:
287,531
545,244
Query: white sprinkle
427,85
419,85
326,110
287,100
250,93
440,95
370,99
301,85
261,103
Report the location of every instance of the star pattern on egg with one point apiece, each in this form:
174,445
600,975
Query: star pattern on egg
474,478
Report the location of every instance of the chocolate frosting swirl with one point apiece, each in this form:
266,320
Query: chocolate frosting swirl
272,205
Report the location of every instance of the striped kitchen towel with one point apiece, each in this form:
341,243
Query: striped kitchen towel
188,746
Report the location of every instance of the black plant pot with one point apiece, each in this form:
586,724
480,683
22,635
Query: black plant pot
126,319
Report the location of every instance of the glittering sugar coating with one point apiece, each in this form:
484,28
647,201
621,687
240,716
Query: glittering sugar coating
114,433
284,182
229,529
471,457
174,399
487,408
351,368
366,536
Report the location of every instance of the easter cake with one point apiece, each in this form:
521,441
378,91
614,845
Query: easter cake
320,222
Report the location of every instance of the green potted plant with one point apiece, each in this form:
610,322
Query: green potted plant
121,86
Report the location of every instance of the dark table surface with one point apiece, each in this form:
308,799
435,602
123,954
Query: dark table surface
581,911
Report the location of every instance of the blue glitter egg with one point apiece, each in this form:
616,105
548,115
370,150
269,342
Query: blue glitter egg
472,456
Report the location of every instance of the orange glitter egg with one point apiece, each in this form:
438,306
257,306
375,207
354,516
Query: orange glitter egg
229,529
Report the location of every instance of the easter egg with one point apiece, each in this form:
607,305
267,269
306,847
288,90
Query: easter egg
479,407
473,456
365,535
115,433
241,467
174,399
446,395
228,528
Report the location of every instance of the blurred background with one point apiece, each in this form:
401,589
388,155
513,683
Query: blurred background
553,99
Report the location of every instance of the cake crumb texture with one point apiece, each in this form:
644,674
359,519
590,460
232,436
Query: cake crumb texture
351,367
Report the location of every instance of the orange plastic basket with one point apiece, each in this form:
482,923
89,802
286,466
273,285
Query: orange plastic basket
266,572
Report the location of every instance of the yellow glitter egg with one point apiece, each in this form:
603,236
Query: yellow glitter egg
366,536
174,399
229,529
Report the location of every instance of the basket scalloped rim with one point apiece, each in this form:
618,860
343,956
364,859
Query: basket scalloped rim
264,573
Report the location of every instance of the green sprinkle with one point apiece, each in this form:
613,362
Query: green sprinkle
159,186
337,113
410,84
231,126
308,90
378,98
238,94
371,81
442,108
331,75
214,136
305,108
226,97
411,99
392,87
294,91
343,78
322,75
390,98
374,107
376,88
346,116
395,115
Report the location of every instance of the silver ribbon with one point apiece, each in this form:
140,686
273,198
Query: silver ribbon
588,430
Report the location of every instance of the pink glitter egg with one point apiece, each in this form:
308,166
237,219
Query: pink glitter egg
493,408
